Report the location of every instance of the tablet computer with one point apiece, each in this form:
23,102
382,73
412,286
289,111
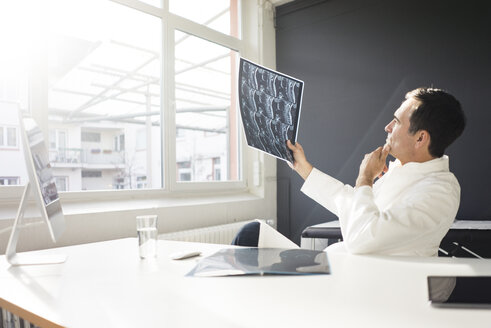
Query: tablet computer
270,103
460,291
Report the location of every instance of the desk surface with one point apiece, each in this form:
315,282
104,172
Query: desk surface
107,285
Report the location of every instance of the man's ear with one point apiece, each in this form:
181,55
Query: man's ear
422,139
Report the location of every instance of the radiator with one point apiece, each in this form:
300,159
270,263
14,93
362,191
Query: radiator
219,234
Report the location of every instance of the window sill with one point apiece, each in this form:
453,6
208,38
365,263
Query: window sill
154,202
98,220
123,202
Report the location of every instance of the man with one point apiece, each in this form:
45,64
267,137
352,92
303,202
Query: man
410,208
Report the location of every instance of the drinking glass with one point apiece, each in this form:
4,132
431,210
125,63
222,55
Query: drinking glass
146,227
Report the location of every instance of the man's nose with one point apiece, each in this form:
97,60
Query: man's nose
388,127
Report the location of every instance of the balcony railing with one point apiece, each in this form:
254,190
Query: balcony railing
65,155
102,156
86,156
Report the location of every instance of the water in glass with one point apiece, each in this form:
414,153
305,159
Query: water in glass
147,239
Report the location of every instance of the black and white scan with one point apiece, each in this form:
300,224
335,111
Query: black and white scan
270,104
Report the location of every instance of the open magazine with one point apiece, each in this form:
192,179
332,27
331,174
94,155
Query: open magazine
275,255
262,261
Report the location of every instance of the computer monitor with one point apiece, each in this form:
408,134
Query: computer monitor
42,186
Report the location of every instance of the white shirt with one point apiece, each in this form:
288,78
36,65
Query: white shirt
407,212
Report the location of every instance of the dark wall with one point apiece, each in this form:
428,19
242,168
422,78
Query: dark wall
358,58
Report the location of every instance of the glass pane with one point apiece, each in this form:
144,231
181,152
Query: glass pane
104,78
220,15
206,119
16,36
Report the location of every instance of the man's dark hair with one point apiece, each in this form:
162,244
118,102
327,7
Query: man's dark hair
440,114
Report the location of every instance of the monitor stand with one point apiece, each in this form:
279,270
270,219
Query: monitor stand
27,259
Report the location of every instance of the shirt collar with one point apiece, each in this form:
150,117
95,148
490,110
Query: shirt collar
435,165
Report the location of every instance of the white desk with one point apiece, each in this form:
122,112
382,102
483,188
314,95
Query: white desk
107,285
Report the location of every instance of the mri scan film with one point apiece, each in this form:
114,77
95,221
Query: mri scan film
270,104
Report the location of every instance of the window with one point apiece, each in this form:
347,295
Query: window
185,176
8,137
91,137
58,151
184,171
11,137
119,183
141,182
91,174
119,143
105,83
204,105
106,116
216,169
9,181
61,183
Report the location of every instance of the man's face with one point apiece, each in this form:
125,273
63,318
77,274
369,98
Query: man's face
401,142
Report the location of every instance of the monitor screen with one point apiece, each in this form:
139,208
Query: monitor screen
40,176
270,104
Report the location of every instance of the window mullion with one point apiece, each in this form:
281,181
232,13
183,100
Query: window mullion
204,32
168,103
141,6
38,73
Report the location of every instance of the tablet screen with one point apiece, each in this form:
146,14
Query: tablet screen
460,291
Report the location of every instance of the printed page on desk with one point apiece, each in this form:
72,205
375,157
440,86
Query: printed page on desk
262,261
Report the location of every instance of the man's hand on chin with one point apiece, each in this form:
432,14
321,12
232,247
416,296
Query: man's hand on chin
372,166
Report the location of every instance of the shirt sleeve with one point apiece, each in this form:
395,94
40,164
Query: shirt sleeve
327,191
330,193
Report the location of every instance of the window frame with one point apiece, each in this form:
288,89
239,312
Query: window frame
170,185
